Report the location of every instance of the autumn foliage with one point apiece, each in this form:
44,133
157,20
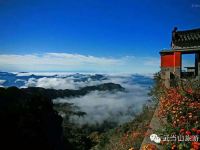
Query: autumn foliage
179,112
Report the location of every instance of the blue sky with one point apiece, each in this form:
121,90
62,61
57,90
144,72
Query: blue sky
95,30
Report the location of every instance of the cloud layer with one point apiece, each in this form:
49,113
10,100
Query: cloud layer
1,82
101,106
119,107
77,63
98,105
59,83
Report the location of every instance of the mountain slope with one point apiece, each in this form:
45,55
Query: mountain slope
52,93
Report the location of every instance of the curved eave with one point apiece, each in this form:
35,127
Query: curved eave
182,50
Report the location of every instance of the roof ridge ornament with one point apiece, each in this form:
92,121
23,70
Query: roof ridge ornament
174,37
185,38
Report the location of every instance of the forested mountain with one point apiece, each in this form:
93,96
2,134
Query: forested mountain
52,93
29,121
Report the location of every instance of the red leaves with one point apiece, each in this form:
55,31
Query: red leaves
194,130
182,130
181,107
175,103
198,131
188,133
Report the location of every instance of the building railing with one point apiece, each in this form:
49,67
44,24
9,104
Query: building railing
187,75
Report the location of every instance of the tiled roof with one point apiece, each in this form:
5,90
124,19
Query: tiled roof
187,38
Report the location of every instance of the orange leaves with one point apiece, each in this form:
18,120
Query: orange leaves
181,108
169,102
149,147
135,134
130,136
173,147
195,145
180,105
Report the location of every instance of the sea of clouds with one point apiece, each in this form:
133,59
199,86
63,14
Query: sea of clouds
99,106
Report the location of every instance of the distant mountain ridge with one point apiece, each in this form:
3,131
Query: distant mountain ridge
69,81
21,78
52,93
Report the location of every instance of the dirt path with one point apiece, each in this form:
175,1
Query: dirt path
154,124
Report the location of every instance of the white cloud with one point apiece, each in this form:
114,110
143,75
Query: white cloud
59,83
77,63
53,83
76,81
2,82
20,80
101,106
105,105
149,61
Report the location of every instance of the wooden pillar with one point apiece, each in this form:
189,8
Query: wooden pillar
197,65
177,64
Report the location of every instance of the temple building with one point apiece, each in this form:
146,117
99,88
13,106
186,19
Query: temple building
183,42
